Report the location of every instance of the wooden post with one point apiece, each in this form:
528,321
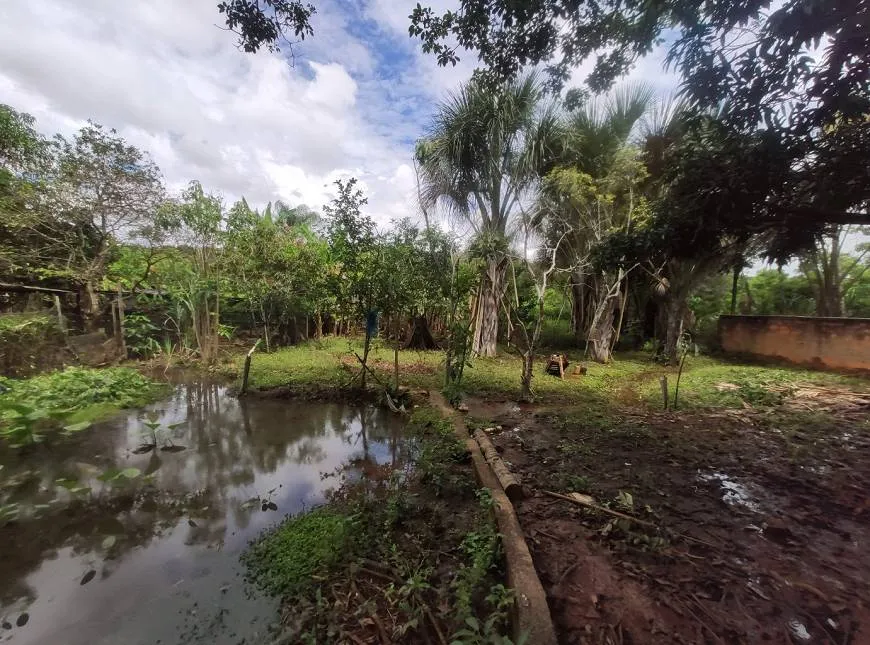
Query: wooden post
562,366
60,321
247,371
113,306
122,344
663,381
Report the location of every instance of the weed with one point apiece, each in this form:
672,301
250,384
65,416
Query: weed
481,549
82,391
140,335
440,450
285,559
577,483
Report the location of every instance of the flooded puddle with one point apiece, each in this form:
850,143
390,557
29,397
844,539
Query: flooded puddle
154,557
734,493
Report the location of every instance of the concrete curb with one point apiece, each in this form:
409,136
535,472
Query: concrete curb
531,613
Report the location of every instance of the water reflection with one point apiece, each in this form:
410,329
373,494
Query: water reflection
175,533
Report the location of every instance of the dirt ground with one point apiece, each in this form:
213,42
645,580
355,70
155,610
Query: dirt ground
755,521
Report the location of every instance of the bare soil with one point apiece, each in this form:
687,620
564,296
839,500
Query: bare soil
759,522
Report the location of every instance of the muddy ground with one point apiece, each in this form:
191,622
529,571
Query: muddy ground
756,521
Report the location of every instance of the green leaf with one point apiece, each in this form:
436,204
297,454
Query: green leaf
77,427
130,473
109,475
109,542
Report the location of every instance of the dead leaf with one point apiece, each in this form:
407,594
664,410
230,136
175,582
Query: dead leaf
583,499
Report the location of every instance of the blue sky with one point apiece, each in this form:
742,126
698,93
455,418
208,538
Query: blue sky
169,80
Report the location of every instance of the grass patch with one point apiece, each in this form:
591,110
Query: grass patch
711,383
330,364
632,378
285,560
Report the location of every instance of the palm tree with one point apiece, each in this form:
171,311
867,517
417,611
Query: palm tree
591,193
480,161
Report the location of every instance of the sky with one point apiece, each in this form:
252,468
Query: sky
352,102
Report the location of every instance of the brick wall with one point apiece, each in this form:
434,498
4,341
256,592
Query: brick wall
837,343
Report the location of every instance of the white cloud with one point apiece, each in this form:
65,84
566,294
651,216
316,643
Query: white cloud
169,80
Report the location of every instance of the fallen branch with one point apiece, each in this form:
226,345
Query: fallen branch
609,511
602,509
435,626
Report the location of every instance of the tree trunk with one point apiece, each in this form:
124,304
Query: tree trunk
486,314
600,337
578,307
365,357
396,355
735,280
421,337
676,311
526,379
89,304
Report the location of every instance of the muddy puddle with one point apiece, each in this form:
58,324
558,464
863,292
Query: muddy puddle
118,545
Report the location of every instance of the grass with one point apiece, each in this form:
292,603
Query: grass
330,364
632,378
285,560
739,384
420,546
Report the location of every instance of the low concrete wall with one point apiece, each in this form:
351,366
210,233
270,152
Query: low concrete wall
836,343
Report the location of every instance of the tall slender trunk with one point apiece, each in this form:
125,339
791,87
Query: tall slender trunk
578,307
676,312
735,280
396,354
486,313
89,305
365,356
526,379
600,336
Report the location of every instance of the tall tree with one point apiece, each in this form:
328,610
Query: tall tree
831,272
24,160
196,222
593,191
355,251
797,71
482,156
105,190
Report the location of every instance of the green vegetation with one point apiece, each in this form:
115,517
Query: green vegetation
68,399
708,383
284,561
632,378
428,563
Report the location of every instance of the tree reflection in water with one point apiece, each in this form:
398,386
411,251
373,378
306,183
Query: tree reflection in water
202,498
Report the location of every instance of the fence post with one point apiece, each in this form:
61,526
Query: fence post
60,321
247,370
663,381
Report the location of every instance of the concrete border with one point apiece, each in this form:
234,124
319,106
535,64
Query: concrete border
531,612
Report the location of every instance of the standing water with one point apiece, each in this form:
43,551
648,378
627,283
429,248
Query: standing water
154,557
